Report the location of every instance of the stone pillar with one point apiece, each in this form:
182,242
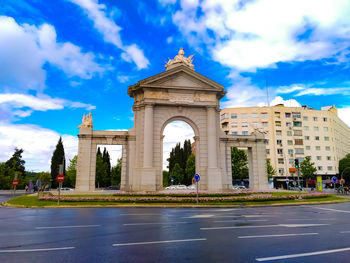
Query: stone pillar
124,182
257,166
214,173
84,160
148,137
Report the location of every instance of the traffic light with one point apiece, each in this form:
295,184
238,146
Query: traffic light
296,162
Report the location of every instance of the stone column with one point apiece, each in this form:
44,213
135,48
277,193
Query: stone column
148,137
84,160
124,180
212,138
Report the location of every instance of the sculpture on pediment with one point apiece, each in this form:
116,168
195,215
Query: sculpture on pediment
86,122
180,59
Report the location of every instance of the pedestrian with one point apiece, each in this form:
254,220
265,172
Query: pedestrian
26,188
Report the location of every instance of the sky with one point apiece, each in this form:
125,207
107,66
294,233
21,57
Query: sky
60,59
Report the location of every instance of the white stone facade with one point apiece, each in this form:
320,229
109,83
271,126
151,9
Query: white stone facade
179,93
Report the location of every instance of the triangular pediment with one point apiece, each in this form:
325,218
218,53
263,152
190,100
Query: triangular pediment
180,77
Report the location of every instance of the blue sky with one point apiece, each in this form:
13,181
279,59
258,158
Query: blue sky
60,59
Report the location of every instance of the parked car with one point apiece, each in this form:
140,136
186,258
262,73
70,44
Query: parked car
112,187
171,187
67,189
181,187
191,187
237,187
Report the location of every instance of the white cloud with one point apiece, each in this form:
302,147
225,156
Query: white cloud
246,35
289,89
324,91
175,132
38,144
24,49
288,103
110,31
344,115
123,79
23,105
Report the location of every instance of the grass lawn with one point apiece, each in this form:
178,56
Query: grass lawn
32,201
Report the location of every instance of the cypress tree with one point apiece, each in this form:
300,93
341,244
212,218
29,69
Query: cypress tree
57,159
16,163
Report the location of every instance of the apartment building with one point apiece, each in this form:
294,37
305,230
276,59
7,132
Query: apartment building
293,132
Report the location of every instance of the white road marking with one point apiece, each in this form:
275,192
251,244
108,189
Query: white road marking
141,214
281,235
77,226
159,242
140,224
279,225
256,215
200,216
313,219
34,250
344,232
230,221
335,210
304,254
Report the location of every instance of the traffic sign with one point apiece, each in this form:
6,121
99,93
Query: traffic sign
197,178
287,180
334,179
15,182
60,178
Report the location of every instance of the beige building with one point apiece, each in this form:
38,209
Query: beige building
293,132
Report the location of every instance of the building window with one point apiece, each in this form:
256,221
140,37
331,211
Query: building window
244,124
306,128
298,133
291,161
325,129
305,118
277,114
288,124
234,125
319,168
290,151
279,142
297,123
244,132
298,142
255,124
329,168
299,151
223,116
315,118
307,138
278,132
308,148
287,114
278,123
279,151
318,148
280,161
328,148
326,138
266,141
264,124
267,151
233,116
290,142
296,115
319,158
254,115
317,138
234,133
244,115
289,133
264,115
281,171
328,158
315,128
325,119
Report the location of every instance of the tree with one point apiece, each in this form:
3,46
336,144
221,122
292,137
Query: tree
101,170
166,179
16,163
57,159
190,169
107,161
270,170
116,173
177,173
346,175
344,163
71,172
239,164
45,179
308,169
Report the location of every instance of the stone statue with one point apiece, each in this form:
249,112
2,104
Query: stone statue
180,59
86,122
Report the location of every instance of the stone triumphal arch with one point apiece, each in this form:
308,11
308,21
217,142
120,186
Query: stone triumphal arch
179,93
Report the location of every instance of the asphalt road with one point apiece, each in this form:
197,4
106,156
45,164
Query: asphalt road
266,234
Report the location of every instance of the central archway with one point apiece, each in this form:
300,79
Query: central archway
178,146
